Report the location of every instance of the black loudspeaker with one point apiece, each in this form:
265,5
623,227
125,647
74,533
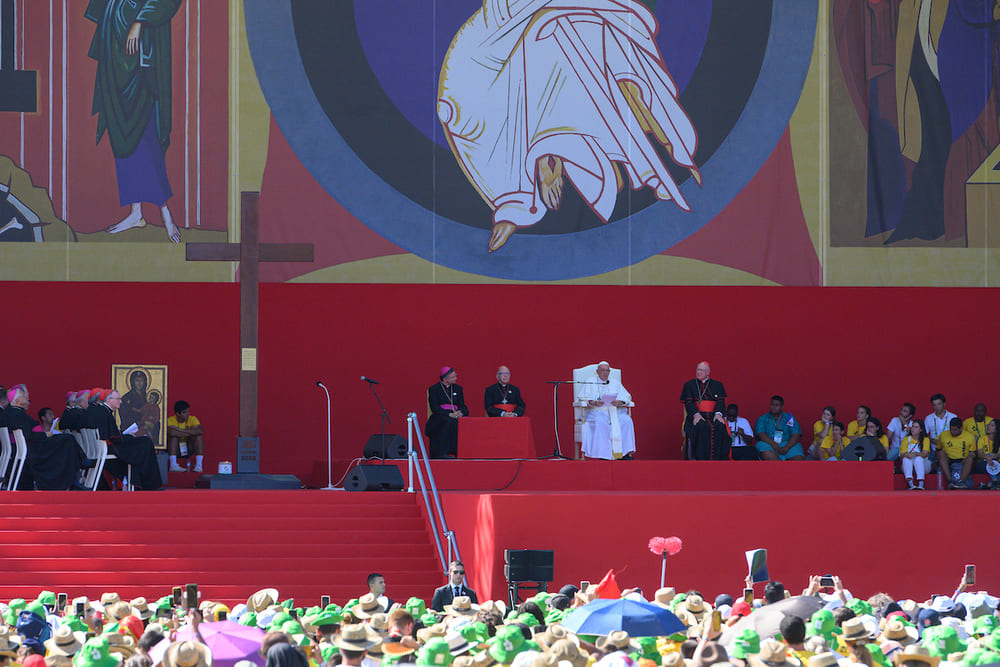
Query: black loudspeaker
374,478
388,446
528,564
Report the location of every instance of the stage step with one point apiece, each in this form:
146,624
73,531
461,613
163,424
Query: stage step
231,543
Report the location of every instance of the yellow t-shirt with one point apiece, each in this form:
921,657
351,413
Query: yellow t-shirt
832,448
957,446
187,424
977,429
908,441
853,430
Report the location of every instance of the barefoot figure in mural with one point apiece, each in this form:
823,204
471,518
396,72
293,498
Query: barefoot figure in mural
132,100
535,93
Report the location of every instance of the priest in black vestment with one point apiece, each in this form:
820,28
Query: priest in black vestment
705,424
447,403
503,399
54,461
74,417
139,452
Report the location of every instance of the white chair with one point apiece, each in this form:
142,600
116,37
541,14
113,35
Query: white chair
97,449
580,405
20,456
6,449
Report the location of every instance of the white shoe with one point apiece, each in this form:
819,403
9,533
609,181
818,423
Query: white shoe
196,469
177,469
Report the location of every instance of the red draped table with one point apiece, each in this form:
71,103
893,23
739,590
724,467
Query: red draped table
495,438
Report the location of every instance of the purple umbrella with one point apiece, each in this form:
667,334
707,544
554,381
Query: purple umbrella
230,642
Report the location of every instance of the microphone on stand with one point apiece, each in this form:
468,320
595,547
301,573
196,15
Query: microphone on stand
369,380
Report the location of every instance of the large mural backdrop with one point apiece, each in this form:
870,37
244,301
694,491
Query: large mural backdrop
826,142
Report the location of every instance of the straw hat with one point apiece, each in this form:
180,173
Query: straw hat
617,640
461,606
853,629
7,647
65,642
664,596
118,610
262,599
141,609
367,606
773,654
187,654
355,638
917,653
896,630
123,644
825,659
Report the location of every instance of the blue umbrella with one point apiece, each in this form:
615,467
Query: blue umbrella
638,619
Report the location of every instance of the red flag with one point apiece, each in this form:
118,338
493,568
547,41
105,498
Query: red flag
608,588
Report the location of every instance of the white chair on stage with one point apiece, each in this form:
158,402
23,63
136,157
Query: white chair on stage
580,405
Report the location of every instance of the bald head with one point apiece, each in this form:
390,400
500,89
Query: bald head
702,370
503,375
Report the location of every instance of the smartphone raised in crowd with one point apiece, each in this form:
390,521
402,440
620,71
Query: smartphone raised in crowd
191,595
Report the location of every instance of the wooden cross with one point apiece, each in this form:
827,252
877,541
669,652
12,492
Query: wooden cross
249,252
18,88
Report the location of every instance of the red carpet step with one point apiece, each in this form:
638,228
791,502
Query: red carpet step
231,543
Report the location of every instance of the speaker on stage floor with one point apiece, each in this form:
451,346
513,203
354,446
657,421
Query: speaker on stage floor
374,478
528,564
388,446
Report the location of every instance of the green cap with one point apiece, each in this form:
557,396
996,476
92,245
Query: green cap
435,653
416,606
506,644
859,607
941,641
878,656
95,653
984,625
747,643
648,650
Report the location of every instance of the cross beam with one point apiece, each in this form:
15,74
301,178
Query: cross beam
249,252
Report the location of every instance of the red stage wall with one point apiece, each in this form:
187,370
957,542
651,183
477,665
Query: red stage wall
805,343
861,537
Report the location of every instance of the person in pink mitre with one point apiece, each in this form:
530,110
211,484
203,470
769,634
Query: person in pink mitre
608,432
447,404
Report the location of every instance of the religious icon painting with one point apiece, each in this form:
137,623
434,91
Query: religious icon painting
144,399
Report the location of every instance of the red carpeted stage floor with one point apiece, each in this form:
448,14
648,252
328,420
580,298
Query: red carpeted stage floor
814,518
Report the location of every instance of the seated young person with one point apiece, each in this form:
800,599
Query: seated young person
957,453
184,437
831,446
821,429
915,454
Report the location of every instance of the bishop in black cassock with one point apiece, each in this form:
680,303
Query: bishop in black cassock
710,438
447,403
139,452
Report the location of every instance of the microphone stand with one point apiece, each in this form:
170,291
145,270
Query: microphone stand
385,418
557,452
329,442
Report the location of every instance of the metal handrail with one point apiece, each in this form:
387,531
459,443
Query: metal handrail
412,426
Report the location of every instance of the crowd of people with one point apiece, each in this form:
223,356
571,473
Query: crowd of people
56,459
825,626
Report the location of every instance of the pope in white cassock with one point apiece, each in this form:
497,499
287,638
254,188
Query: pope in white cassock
534,92
607,427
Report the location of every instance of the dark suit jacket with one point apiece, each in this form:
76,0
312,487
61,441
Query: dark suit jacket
445,595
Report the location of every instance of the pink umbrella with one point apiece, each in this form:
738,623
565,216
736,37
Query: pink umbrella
230,642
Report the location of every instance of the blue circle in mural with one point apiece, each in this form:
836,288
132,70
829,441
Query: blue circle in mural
351,99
